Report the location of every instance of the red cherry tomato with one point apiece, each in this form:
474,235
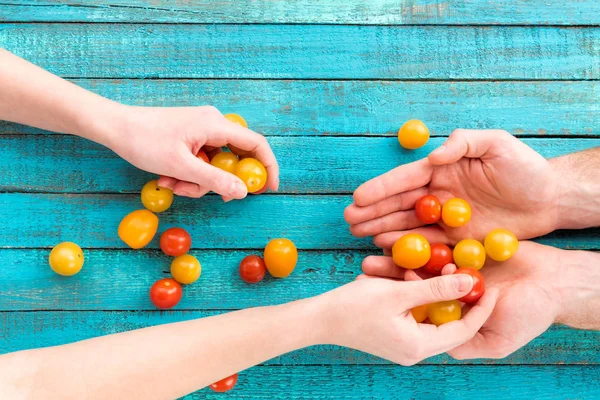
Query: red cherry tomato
429,209
165,293
252,269
225,385
175,242
441,255
202,154
478,285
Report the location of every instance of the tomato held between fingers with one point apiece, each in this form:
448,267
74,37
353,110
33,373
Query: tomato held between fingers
478,285
66,259
444,311
165,293
413,134
411,251
186,269
252,269
281,257
469,253
138,228
155,198
419,313
428,209
456,212
501,244
203,156
175,242
441,255
237,119
253,173
225,385
225,160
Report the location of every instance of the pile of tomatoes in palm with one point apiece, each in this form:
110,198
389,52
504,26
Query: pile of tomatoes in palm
413,251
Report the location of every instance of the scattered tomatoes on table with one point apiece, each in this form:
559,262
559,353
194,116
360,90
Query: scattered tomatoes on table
237,119
165,293
429,209
419,313
478,285
224,385
441,255
411,251
456,212
155,198
175,242
469,253
225,160
444,311
253,173
281,257
138,228
66,259
413,134
186,269
252,269
501,244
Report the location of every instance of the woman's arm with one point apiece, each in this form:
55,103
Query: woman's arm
168,361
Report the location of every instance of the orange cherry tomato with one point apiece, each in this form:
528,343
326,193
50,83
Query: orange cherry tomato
165,293
443,312
175,242
155,198
138,228
66,259
478,285
225,160
428,209
413,134
441,255
253,173
419,313
469,253
202,155
186,269
236,118
411,251
261,191
456,212
237,151
281,257
252,269
501,244
225,385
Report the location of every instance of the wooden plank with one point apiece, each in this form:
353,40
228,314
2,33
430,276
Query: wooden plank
308,165
379,12
24,330
307,51
330,108
312,222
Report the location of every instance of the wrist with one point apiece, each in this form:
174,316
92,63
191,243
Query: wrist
103,123
306,321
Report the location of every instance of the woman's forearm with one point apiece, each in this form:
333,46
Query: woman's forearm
166,361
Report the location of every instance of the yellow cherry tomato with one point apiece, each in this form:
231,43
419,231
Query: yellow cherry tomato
469,253
419,313
236,118
281,257
456,212
225,160
411,251
444,311
138,228
155,198
501,244
253,173
413,134
186,269
66,259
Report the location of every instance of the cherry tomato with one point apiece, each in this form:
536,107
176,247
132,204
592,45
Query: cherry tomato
261,191
165,293
444,311
456,212
237,151
175,242
419,313
252,173
501,244
469,253
252,269
138,228
429,209
478,285
441,255
202,154
225,160
225,385
281,257
66,259
155,198
236,118
411,251
186,269
413,134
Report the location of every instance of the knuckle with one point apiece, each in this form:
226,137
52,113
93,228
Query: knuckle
438,288
211,110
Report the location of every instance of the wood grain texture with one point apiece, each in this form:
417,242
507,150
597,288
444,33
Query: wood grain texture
329,108
559,345
307,51
312,222
308,164
380,12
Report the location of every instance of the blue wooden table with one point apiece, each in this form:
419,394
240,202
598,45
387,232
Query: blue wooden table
329,82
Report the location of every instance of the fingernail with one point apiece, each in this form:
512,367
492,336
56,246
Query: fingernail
463,282
227,199
439,150
238,190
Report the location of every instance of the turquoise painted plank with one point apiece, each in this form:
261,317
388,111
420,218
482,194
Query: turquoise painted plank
332,108
379,12
307,51
32,163
312,222
24,330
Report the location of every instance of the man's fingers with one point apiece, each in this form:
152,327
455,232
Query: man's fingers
468,143
394,221
433,234
167,182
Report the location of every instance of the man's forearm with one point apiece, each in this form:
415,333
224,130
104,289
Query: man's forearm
166,361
